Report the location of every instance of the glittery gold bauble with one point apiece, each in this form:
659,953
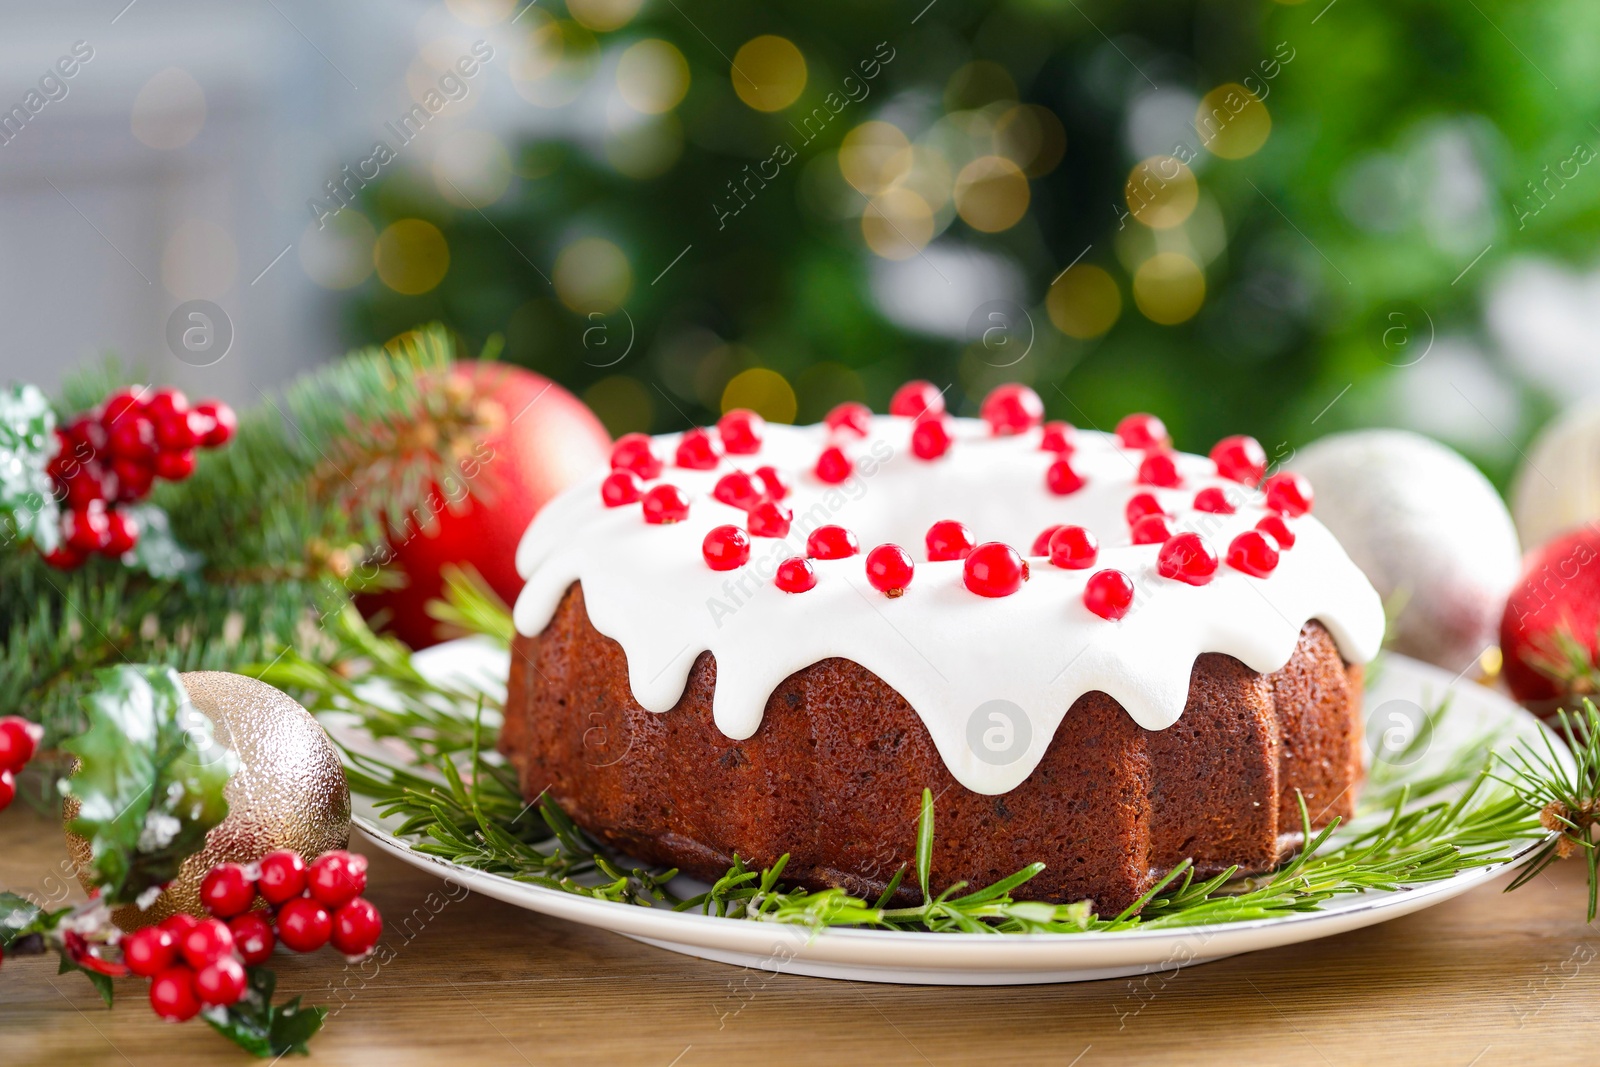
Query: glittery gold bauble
289,791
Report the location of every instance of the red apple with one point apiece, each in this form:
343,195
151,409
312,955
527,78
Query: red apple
1558,595
546,440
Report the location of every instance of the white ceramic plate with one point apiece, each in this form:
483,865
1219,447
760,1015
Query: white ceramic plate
979,959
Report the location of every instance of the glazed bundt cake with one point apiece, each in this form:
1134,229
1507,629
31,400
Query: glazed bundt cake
725,647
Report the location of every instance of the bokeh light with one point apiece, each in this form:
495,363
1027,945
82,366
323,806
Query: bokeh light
1084,302
482,12
874,156
645,149
1032,137
592,275
1232,122
199,261
472,169
553,62
1161,192
1169,288
411,256
897,223
991,194
338,254
769,73
652,76
603,16
622,403
766,392
169,110
977,84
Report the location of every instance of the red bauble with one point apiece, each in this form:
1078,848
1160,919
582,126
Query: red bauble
1557,595
545,440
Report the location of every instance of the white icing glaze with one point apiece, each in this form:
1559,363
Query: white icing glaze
947,650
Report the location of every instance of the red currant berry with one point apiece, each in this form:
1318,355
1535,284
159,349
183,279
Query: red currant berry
1057,437
738,489
123,533
1288,494
133,479
1062,478
124,403
1254,553
1215,500
1013,408
172,995
1187,557
994,569
620,487
87,529
175,466
665,503
1274,527
356,928
220,982
850,417
131,437
698,450
1140,505
208,942
795,575
252,937
179,925
725,548
833,466
8,789
164,402
930,438
149,951
769,519
741,432
948,539
776,485
304,924
64,557
283,876
227,890
1240,459
1109,594
632,453
1152,530
1041,544
19,740
1143,432
832,542
915,399
1074,548
1159,468
889,569
224,423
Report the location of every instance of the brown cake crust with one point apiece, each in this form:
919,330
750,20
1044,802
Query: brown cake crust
834,775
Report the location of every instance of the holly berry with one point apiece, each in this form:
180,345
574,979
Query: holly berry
1214,500
833,466
227,890
620,487
149,950
948,539
1152,530
356,928
122,533
8,789
773,480
1041,544
1188,558
738,489
165,402
175,466
769,519
220,983
207,942
134,478
1062,478
889,569
252,937
850,417
1012,409
795,575
1074,548
172,995
994,569
1109,594
832,542
665,503
1288,493
87,529
133,436
1254,553
741,432
1143,431
1276,528
19,740
632,452
64,557
283,876
698,450
304,924
916,399
930,438
1057,437
725,548
1159,468
1240,459
337,877
123,403
224,423
1142,504
179,925
180,430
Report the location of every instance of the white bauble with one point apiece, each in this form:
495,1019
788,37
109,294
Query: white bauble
1558,487
1429,531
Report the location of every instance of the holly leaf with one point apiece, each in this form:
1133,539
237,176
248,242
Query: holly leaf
263,1029
28,507
149,781
101,982
21,918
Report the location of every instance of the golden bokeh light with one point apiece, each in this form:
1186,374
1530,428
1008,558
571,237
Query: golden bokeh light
763,391
1084,302
622,403
645,149
481,12
897,224
1032,137
338,254
873,156
769,73
603,16
652,76
1161,192
1232,122
592,275
552,63
411,256
977,84
472,169
1169,288
991,194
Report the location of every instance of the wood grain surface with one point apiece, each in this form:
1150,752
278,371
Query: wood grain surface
1484,979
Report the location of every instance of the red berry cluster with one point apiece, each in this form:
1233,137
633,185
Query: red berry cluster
113,455
19,740
195,963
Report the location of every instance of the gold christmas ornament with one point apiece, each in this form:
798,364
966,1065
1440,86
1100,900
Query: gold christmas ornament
289,791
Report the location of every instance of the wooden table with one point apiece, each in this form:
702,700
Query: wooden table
1484,979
